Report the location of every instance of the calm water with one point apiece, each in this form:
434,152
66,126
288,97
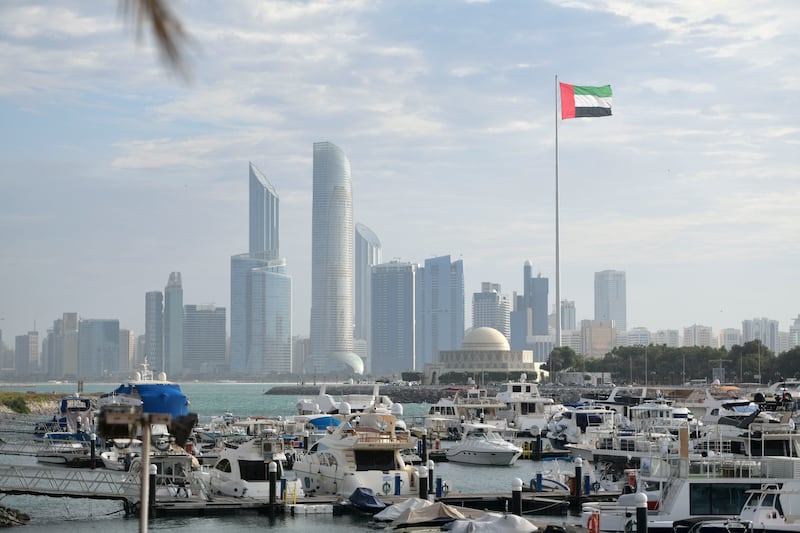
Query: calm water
209,399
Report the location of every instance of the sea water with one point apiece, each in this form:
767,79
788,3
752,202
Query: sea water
248,399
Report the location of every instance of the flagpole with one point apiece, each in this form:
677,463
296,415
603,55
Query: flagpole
558,266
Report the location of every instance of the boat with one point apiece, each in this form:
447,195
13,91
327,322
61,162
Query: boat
75,415
580,424
711,486
525,408
324,403
482,444
120,452
364,499
363,451
763,512
66,449
468,404
242,469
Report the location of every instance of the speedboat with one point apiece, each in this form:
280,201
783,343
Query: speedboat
483,445
242,470
120,453
363,451
66,449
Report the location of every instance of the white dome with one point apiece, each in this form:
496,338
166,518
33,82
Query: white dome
485,339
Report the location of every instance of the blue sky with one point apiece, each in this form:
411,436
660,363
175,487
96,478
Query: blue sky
115,172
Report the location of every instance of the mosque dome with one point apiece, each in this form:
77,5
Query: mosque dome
485,339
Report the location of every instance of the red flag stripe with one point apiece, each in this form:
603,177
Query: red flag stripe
567,101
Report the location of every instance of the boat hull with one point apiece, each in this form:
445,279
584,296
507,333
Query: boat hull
498,458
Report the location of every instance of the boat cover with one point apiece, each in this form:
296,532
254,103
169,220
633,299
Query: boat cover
493,523
166,398
393,511
364,498
323,422
433,515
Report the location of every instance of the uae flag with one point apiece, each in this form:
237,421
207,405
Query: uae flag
584,101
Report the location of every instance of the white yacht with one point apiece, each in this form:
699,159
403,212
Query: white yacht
483,445
581,424
468,404
525,408
242,470
363,451
120,452
324,403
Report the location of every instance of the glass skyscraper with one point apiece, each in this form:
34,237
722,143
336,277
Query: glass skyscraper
261,291
332,264
154,330
204,338
393,332
173,325
264,219
439,308
610,299
368,254
98,348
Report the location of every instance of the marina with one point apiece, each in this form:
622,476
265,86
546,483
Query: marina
251,476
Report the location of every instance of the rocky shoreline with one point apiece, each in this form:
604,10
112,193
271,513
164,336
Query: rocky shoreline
12,517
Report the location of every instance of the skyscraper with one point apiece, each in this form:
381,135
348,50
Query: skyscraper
264,215
762,329
393,332
535,297
154,330
368,254
610,299
568,317
98,348
439,308
332,263
261,291
490,308
204,338
26,353
173,325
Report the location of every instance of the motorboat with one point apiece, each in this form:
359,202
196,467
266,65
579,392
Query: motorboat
66,449
363,451
324,403
693,486
120,452
468,404
525,408
242,470
580,424
482,444
364,499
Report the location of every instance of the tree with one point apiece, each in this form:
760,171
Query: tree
167,30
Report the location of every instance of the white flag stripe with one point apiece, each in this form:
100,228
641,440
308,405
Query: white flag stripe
587,100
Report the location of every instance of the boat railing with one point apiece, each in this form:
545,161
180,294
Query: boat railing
376,435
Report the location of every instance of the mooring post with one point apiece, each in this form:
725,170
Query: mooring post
423,482
641,512
151,503
537,444
516,496
430,476
273,476
93,449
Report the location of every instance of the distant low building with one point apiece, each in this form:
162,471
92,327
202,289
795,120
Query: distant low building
482,350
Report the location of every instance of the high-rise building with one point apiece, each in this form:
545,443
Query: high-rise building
568,317
610,299
670,338
261,315
439,308
638,337
173,325
490,308
204,339
762,329
332,264
794,333
26,353
264,216
536,296
154,330
599,337
261,291
98,348
728,338
127,350
393,348
697,335
368,254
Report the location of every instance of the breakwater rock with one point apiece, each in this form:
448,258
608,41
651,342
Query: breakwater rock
12,517
417,393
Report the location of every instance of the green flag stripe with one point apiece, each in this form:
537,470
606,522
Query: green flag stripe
604,91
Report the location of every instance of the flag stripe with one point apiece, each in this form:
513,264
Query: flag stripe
585,101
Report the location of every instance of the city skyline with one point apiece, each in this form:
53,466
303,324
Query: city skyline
115,173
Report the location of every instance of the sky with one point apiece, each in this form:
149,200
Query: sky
116,171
